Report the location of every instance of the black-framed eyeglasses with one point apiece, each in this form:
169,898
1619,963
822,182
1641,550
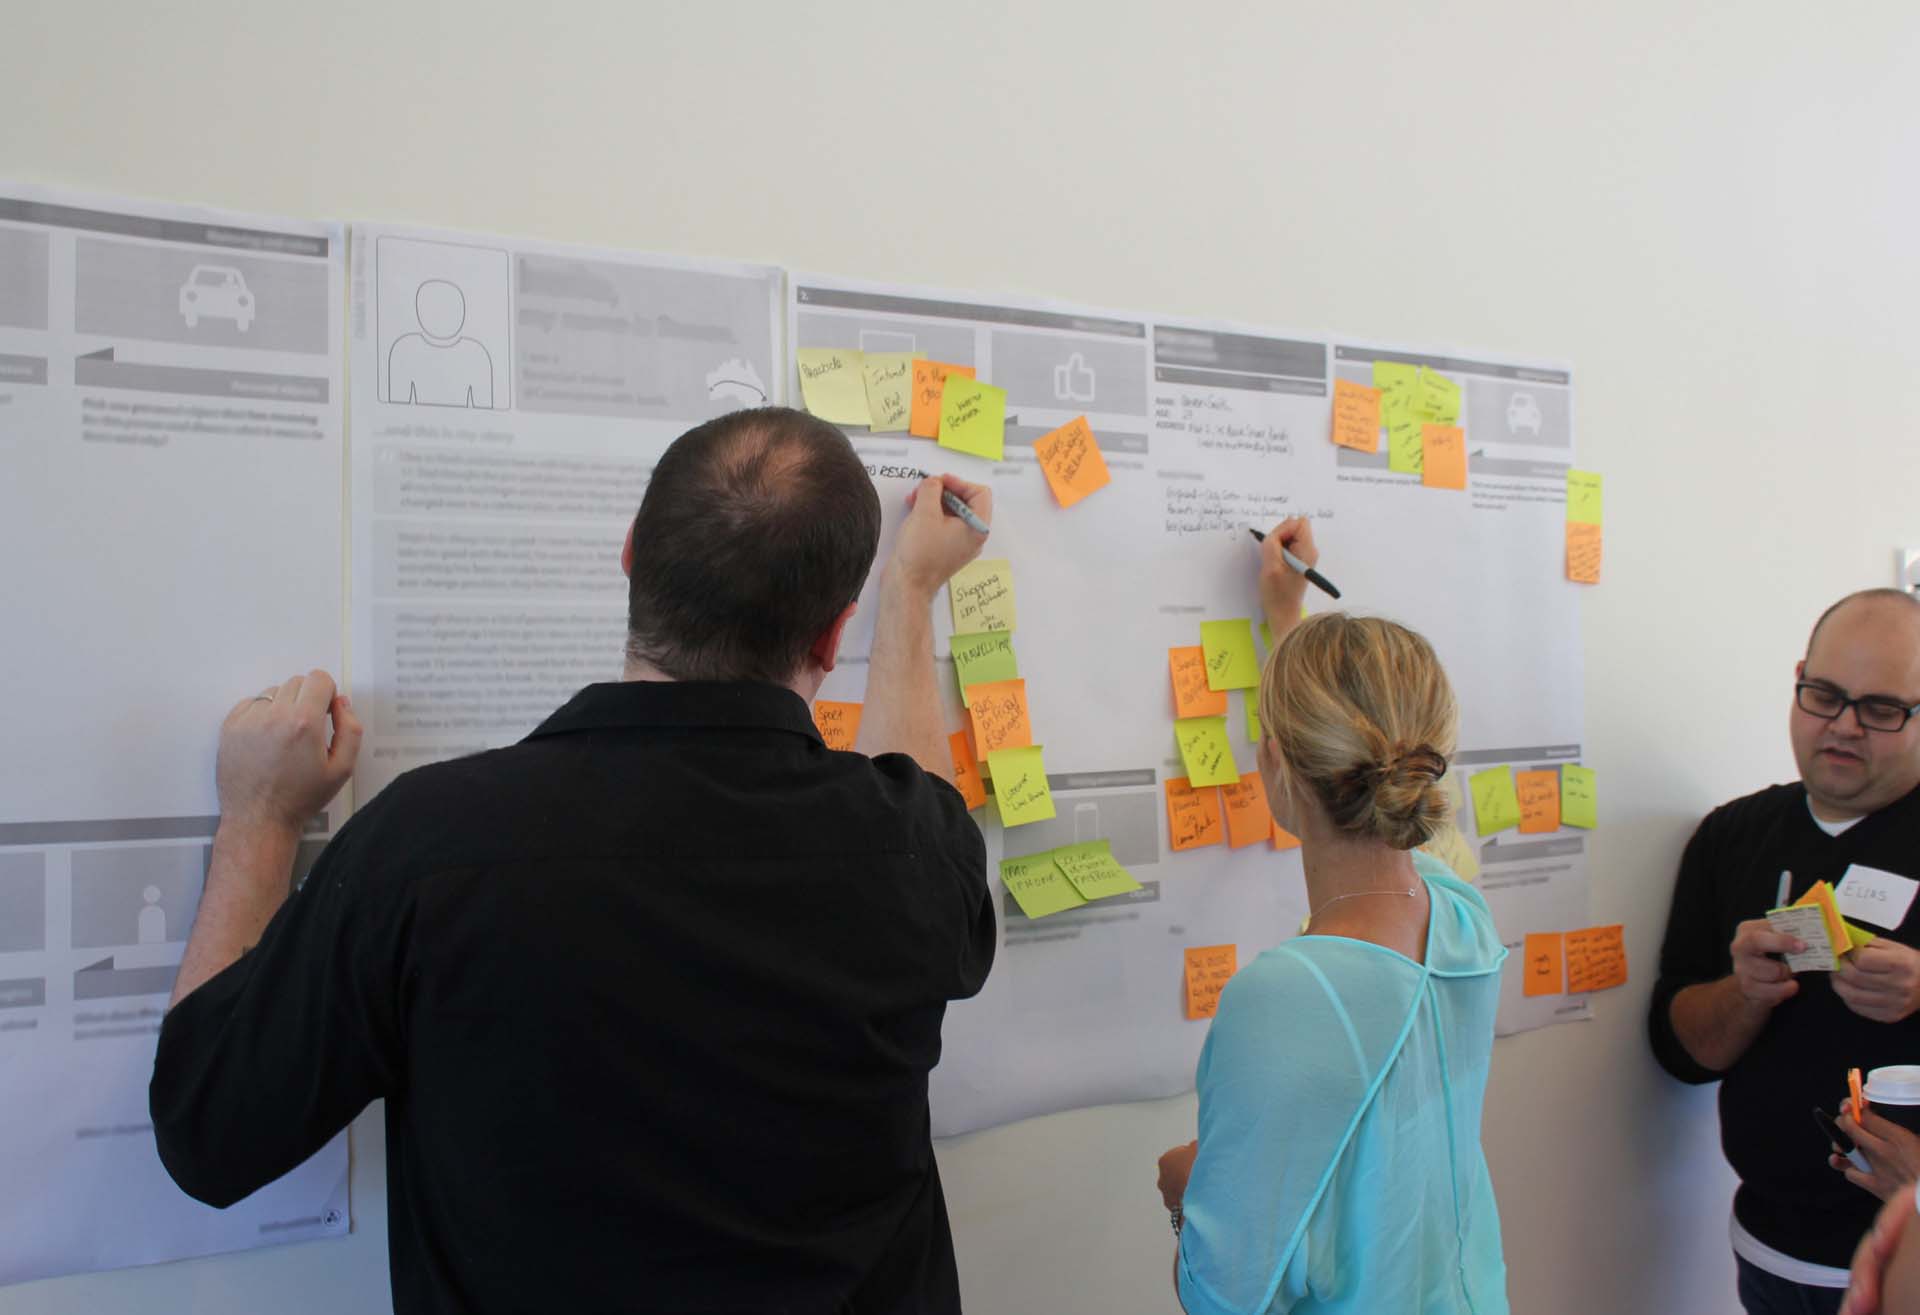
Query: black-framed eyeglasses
1874,712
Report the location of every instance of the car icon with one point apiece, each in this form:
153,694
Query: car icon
1523,412
216,292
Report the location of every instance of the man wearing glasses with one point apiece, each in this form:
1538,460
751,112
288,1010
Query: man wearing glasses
1726,1008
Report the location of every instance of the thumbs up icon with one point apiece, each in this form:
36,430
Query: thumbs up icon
1073,380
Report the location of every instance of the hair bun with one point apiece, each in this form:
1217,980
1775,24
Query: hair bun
1408,806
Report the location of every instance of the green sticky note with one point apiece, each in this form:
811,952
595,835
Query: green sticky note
1437,399
1496,805
1228,648
1579,802
1583,497
1037,886
973,417
1406,448
1266,631
1020,786
1205,750
1253,717
1093,869
1398,384
888,377
833,384
983,658
981,593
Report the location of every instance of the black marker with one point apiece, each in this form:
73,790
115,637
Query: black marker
1313,577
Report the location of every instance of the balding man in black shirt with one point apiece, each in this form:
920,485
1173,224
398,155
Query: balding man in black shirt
651,996
1726,1007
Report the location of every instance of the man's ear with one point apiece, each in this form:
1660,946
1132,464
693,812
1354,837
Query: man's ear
626,553
826,649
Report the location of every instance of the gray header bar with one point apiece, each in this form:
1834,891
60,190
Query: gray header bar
1100,780
100,370
1477,465
1456,365
23,369
882,303
1498,853
1240,353
1252,383
122,828
1019,435
24,993
163,230
1540,753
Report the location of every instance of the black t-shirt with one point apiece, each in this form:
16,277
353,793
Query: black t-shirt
651,997
1789,1197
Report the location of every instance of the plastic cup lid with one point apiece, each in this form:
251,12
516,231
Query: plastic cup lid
1896,1084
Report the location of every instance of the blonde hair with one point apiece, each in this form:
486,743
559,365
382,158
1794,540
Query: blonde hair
1364,716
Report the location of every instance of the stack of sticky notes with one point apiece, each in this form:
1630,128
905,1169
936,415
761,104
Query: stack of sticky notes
1575,962
1065,878
1583,526
1420,408
999,728
1815,919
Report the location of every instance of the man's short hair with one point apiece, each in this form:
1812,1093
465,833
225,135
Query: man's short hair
756,530
1882,595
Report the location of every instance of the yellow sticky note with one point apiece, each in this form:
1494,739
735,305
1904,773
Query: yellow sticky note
966,770
1037,886
1443,457
1583,552
929,386
1858,936
839,723
1543,968
1093,869
1248,819
1000,720
833,384
1597,959
1252,710
1406,444
1579,797
979,659
1208,970
1437,397
1495,804
1020,785
1356,416
1231,661
888,377
1206,751
1192,696
1398,384
1193,814
973,418
1583,497
981,593
1283,838
1071,461
1539,794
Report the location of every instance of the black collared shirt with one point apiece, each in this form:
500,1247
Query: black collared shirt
651,997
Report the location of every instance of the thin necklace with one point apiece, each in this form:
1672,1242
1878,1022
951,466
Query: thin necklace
1409,892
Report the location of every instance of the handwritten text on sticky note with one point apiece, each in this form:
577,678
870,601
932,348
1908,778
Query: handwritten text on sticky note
839,723
1496,805
966,770
1596,959
1192,696
833,384
973,418
1356,416
1231,660
982,596
1208,970
1037,886
984,657
1071,461
1000,719
1193,814
929,387
1206,750
1248,819
1539,794
1579,797
1542,964
1443,457
889,382
1020,788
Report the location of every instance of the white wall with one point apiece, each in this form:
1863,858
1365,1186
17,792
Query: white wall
1712,215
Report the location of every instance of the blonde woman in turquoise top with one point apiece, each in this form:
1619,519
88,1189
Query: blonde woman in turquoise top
1338,1166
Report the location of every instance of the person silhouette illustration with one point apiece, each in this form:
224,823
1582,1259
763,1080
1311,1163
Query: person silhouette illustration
437,366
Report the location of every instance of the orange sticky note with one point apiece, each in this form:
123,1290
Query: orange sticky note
999,711
966,770
1071,460
1191,695
839,723
1539,801
1283,838
1193,816
1356,416
1543,966
929,384
1443,456
1583,553
1596,959
1248,821
1209,967
1822,894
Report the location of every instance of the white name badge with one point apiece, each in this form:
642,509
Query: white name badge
1867,894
